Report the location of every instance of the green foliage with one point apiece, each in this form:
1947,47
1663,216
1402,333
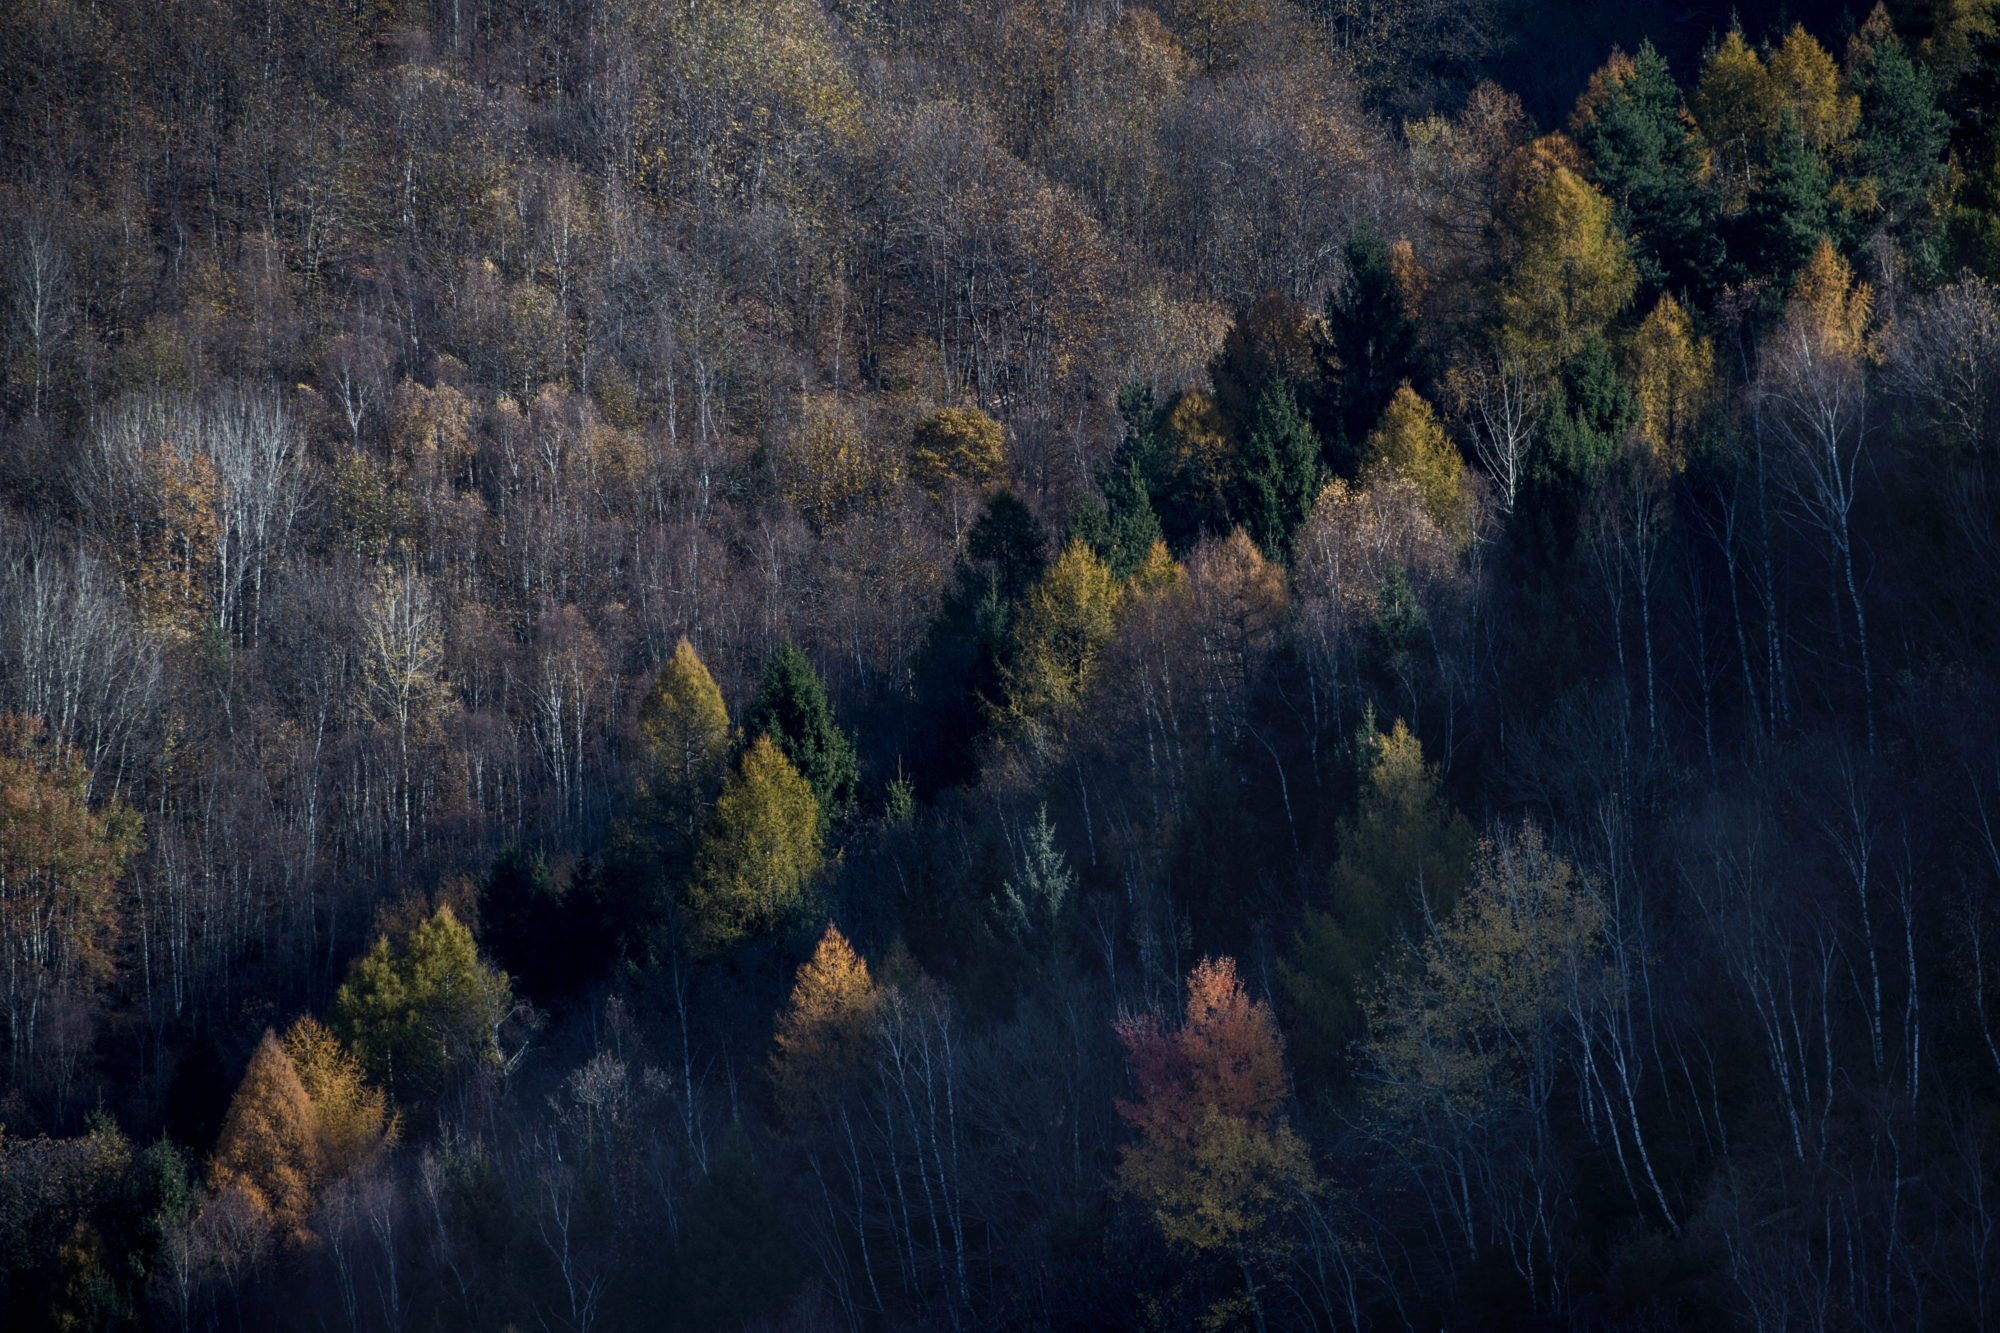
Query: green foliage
1373,342
1584,422
1038,895
1788,209
423,1010
968,645
1281,471
1643,154
1403,851
682,754
1903,137
759,852
1128,526
791,708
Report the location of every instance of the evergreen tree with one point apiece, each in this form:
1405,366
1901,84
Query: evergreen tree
792,709
1643,156
1583,426
1904,134
1787,213
1373,342
966,649
1130,525
1281,471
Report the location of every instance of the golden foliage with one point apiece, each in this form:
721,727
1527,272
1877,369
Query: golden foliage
1829,305
1673,375
1806,78
270,1150
957,443
684,734
1738,109
1570,274
1212,1161
822,1034
1064,626
835,468
1471,1028
353,1118
1410,443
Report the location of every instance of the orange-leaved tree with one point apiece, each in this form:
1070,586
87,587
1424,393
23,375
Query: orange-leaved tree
1213,1159
270,1150
822,1035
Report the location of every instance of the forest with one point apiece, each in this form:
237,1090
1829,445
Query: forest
870,665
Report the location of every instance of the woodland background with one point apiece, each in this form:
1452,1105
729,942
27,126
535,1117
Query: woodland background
1027,664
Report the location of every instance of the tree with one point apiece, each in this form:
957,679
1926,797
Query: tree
1034,900
423,1010
1281,470
1673,379
1589,410
1467,1037
1130,525
1570,275
1643,153
1062,631
791,708
1904,133
1787,213
1410,443
684,750
759,851
1737,109
352,1118
59,861
822,1035
960,443
1373,342
1213,1161
1404,855
1809,83
271,1151
1812,386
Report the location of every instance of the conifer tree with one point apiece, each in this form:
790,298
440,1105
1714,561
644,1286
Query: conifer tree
1410,443
792,709
1373,341
1403,851
759,851
822,1035
353,1118
1642,153
1904,134
423,1009
684,751
1787,213
271,1150
1061,633
1281,471
1570,275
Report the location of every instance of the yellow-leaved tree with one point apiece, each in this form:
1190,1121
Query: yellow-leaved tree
353,1118
822,1035
684,752
1740,113
270,1150
1064,626
759,850
1673,377
1570,273
957,443
1409,442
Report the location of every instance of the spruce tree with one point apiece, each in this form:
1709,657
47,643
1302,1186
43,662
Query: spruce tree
1904,134
1787,213
1643,157
792,709
1373,341
1281,471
